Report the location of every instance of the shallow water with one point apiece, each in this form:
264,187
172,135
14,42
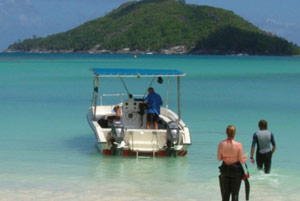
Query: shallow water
48,152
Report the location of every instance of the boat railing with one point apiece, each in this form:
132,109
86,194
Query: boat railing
117,95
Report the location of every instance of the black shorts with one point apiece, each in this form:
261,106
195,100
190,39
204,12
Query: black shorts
264,161
152,117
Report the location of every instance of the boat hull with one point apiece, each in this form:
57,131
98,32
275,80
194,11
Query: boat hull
138,141
128,152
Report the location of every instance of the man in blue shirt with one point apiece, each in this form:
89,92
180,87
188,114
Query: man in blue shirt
154,102
263,138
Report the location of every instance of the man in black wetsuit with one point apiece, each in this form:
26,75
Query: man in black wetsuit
263,138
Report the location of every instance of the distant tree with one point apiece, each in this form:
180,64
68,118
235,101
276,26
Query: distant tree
181,1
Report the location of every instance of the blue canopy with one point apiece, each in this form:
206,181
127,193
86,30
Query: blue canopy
113,72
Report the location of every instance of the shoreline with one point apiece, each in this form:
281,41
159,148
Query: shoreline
177,50
141,53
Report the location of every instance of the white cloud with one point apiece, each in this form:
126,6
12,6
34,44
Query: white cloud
23,19
18,12
29,20
11,1
28,3
273,22
287,30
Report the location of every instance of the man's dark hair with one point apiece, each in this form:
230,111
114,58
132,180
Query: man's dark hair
263,125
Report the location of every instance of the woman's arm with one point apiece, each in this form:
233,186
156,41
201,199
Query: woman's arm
241,157
220,157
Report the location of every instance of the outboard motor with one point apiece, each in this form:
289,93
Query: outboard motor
172,137
116,137
117,131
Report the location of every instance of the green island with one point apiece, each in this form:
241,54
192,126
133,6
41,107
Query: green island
163,27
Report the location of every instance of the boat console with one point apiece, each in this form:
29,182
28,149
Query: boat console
134,114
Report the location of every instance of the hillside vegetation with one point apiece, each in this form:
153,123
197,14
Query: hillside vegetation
163,26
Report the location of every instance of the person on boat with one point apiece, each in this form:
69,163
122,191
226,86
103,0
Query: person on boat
263,138
154,102
231,152
117,110
117,116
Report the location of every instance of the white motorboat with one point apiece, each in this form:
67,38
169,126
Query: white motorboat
127,134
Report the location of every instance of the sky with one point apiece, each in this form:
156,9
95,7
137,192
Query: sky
21,19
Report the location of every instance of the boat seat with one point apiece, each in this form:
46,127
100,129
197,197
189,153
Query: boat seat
164,118
103,123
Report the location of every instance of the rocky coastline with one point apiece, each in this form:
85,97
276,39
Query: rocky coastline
172,50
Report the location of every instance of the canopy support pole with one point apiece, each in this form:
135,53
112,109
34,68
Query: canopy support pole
167,96
125,86
178,98
96,86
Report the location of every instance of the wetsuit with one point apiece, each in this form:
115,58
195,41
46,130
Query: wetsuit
263,139
231,152
231,178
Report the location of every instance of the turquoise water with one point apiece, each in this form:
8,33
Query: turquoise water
47,148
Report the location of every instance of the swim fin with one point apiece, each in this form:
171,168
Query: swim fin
247,188
247,184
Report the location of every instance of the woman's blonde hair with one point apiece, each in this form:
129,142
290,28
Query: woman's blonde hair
231,131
